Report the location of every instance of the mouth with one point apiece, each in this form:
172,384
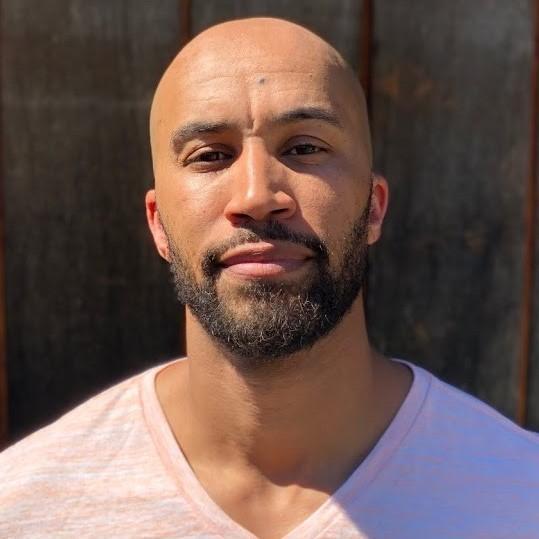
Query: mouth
264,259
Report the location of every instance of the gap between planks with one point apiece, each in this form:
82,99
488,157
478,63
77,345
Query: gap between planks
530,220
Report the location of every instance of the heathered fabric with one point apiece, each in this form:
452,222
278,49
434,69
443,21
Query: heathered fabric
448,466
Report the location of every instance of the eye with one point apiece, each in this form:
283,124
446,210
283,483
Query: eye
210,157
304,149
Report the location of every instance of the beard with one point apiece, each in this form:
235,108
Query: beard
261,322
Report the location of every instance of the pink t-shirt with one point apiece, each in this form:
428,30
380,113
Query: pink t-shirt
448,466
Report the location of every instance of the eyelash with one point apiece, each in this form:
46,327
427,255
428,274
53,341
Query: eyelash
305,145
206,157
203,157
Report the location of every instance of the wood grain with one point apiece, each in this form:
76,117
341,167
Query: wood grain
450,119
531,381
337,22
3,360
185,21
88,300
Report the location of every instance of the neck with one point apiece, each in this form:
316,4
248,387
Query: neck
329,404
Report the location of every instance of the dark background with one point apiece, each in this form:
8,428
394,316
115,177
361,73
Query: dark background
452,88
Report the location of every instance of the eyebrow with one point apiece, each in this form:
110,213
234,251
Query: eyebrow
193,129
187,132
308,113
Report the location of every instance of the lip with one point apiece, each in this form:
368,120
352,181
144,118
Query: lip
264,259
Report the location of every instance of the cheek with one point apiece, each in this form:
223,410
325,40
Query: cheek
330,206
189,212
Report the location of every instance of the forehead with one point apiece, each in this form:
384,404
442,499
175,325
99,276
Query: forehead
253,83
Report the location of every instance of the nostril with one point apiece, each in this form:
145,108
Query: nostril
239,219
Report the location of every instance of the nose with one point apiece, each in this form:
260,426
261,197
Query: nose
258,187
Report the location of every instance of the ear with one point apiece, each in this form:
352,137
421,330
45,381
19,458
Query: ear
156,227
379,202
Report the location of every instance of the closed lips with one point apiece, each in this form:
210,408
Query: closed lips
264,260
264,253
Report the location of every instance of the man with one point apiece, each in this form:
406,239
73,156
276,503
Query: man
282,420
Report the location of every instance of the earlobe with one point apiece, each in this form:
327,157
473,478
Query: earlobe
379,202
156,226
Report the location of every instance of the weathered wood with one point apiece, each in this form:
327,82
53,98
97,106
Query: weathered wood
450,118
3,362
88,300
185,22
365,24
337,22
532,409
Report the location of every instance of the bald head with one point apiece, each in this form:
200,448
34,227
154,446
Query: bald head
256,51
259,134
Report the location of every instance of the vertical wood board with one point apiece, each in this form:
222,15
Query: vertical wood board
533,385
533,378
450,121
3,359
337,22
88,300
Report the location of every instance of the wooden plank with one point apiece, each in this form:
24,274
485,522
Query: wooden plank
185,21
450,119
88,300
337,22
365,24
532,389
3,362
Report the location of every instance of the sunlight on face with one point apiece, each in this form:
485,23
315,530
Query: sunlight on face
262,168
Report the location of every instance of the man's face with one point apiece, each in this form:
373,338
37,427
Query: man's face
262,186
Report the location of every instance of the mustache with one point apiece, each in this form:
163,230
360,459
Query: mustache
254,233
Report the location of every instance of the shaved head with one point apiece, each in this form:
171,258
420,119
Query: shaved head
263,186
257,47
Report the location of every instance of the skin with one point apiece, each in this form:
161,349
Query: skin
269,446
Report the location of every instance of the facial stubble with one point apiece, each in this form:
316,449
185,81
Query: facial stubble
262,322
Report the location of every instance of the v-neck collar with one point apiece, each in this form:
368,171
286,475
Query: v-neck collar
321,519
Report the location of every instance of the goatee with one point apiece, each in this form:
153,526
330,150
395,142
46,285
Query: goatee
276,319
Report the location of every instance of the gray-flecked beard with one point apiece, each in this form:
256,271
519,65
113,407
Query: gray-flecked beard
258,323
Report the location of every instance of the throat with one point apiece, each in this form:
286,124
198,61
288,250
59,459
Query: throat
274,449
287,428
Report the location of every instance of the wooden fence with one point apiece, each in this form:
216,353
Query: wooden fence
453,99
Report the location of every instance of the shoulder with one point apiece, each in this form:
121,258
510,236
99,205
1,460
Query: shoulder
84,417
97,468
469,412
465,463
469,432
74,445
